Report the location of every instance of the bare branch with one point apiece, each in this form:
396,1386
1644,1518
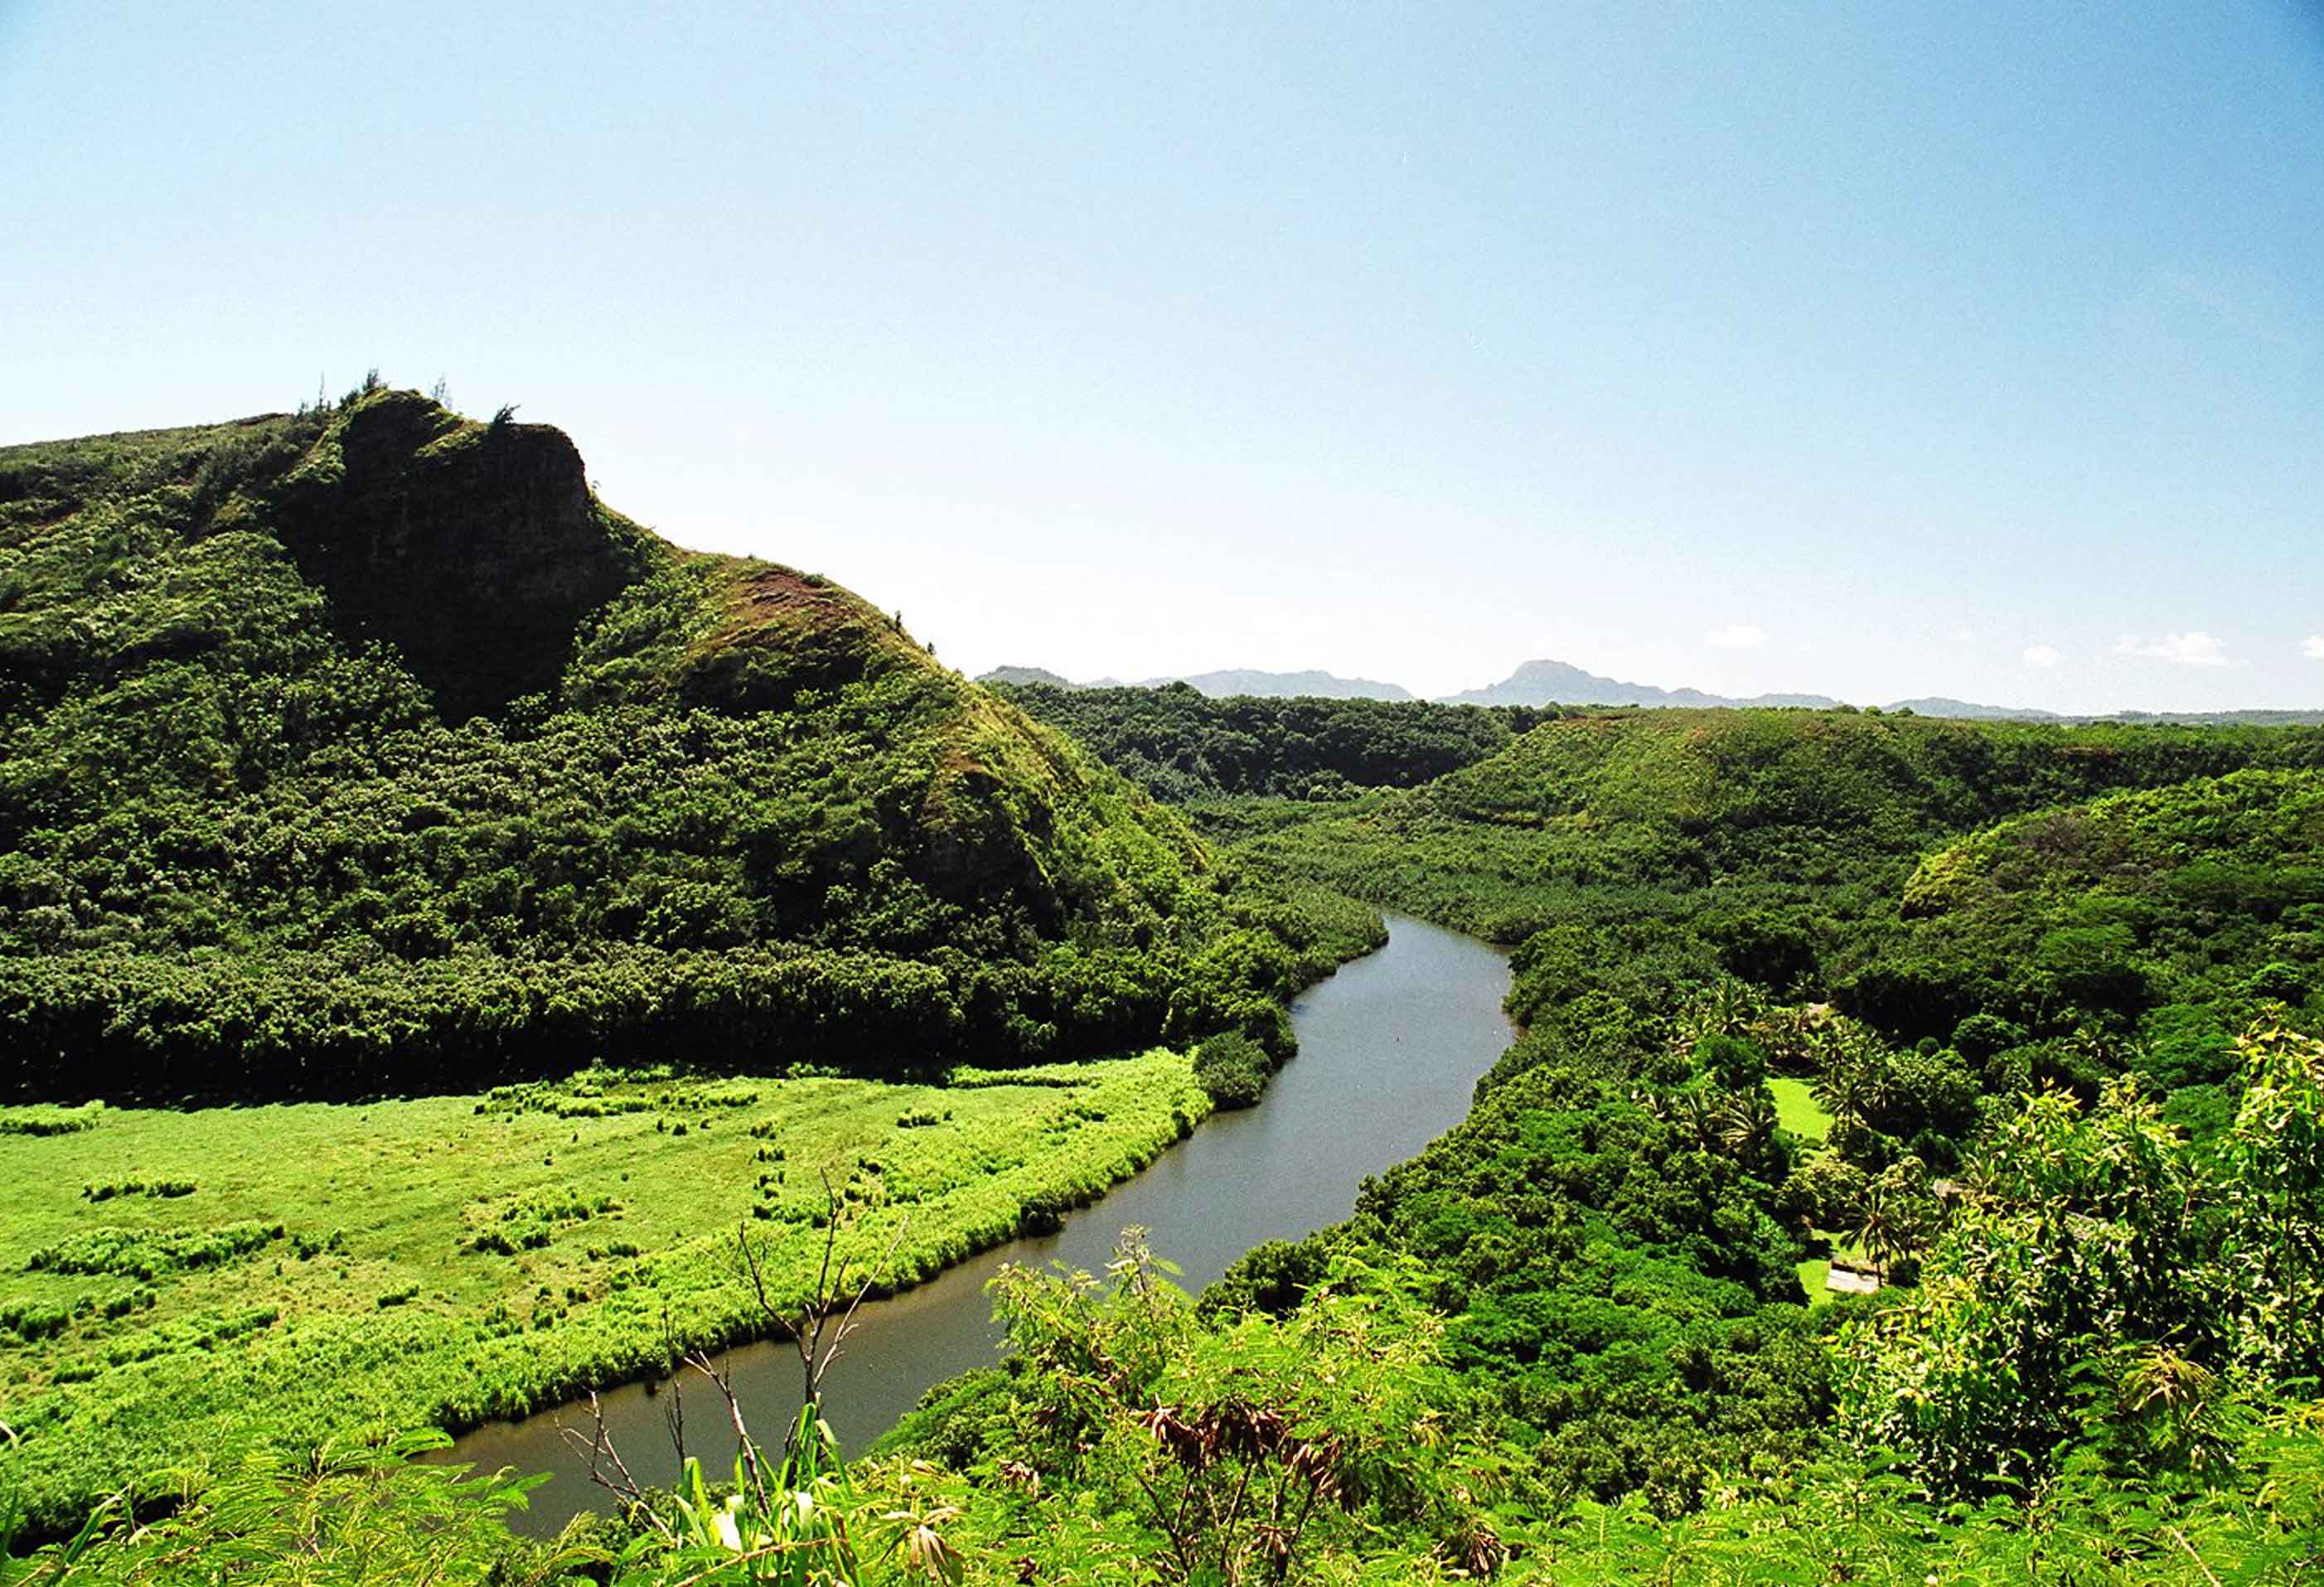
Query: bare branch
673,1415
871,1278
602,1453
758,1279
723,1380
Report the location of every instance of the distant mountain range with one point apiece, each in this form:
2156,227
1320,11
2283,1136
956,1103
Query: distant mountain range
1558,683
1218,685
1038,676
1939,705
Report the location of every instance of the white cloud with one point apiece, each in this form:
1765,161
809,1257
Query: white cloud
1737,636
2191,649
2044,655
2313,648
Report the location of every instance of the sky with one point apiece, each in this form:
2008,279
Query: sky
1878,351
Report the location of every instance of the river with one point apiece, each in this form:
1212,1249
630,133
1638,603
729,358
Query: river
1390,1049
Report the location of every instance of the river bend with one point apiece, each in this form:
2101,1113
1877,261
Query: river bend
1390,1050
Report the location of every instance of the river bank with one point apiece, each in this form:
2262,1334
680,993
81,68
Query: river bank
1390,1049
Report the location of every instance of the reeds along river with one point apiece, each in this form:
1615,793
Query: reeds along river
1390,1049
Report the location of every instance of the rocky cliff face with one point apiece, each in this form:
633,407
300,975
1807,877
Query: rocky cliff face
476,549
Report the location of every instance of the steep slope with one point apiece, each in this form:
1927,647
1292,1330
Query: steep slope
366,747
473,550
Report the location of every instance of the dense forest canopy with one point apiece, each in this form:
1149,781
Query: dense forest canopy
1182,744
2029,983
1635,861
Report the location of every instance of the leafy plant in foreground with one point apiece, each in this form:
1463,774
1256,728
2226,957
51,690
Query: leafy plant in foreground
352,1512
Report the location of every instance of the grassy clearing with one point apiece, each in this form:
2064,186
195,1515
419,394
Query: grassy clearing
1824,1248
1797,1110
449,1259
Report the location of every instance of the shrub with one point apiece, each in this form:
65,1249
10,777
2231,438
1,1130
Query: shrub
139,1255
1232,1069
29,1320
49,1121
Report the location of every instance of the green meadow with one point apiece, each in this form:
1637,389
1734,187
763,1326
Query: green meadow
1797,1110
176,1285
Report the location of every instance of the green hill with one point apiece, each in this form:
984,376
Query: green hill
1637,857
366,747
2145,930
1694,799
1702,900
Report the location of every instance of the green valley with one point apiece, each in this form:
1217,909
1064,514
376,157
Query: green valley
437,915
376,807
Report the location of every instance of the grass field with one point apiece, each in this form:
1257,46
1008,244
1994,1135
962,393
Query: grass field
175,1286
1796,1109
1817,1268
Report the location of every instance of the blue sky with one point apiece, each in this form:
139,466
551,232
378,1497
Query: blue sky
1874,350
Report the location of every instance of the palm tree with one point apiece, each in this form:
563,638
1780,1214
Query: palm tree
1854,1082
1897,1215
1792,1036
1746,1124
1843,1088
1879,1230
1730,1008
1701,1116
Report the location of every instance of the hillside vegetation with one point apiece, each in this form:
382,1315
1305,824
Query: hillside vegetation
365,747
2018,1020
1636,860
1675,801
1185,746
2057,1044
363,754
2002,953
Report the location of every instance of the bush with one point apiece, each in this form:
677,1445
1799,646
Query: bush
1233,1068
1041,1213
31,1321
134,1254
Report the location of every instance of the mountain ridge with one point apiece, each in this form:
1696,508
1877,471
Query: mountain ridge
1543,682
1548,682
1226,683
